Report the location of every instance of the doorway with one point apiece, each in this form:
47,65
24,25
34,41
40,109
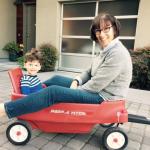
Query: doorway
29,26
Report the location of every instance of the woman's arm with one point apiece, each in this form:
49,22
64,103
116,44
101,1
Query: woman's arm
81,79
84,76
105,73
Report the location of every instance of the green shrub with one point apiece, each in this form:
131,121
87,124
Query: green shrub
141,68
11,47
50,55
20,62
13,50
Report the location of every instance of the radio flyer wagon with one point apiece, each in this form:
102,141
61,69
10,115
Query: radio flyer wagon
72,118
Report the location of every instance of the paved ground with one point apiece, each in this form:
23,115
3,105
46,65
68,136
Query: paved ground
138,134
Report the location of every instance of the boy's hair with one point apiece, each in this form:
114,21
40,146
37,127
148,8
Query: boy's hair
34,54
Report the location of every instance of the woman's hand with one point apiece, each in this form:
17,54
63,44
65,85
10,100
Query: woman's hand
74,84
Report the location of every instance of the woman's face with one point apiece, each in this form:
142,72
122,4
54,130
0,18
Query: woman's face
105,34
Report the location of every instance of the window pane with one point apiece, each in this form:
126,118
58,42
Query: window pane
79,10
76,27
75,62
128,27
83,46
129,44
119,7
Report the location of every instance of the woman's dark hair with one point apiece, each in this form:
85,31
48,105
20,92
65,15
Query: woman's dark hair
34,54
104,18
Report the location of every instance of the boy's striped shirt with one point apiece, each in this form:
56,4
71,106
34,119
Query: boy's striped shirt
30,84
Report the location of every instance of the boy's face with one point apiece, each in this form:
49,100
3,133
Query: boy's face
32,67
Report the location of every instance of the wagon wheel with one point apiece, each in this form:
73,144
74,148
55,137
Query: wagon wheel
107,125
18,133
114,139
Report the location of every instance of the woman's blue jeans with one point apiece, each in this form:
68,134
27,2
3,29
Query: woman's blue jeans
58,90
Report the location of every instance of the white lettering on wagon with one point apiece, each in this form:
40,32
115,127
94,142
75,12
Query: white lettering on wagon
67,112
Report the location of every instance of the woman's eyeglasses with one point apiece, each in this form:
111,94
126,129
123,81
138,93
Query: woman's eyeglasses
105,30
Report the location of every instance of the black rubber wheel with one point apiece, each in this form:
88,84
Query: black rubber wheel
114,139
107,125
18,133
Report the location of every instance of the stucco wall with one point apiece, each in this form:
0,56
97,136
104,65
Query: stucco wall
47,22
7,24
143,25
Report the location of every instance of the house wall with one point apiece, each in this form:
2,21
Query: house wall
47,18
48,23
7,25
143,25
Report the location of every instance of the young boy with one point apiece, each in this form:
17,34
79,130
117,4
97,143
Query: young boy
30,83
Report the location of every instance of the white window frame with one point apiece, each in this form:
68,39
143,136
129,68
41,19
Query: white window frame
86,37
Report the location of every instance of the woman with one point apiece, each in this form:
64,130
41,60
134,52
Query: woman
108,77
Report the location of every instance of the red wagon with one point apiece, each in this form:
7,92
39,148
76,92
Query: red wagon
69,118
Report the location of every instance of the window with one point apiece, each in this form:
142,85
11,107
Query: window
79,9
76,23
76,20
126,11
